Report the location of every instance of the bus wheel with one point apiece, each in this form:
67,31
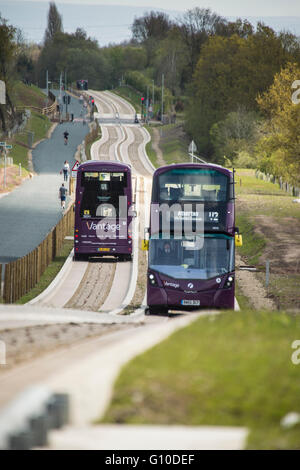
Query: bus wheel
80,257
125,257
153,310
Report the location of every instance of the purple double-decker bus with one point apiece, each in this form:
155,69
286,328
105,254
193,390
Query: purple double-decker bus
192,237
103,210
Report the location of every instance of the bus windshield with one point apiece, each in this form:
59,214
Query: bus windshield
197,258
192,184
101,192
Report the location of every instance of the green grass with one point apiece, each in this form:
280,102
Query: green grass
16,178
24,95
256,197
247,183
253,243
149,149
232,369
285,289
49,274
92,137
263,197
174,143
38,124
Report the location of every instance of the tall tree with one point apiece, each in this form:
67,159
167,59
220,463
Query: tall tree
8,50
54,24
149,29
230,73
171,59
279,147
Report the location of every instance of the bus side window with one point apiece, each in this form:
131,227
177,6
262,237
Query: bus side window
221,195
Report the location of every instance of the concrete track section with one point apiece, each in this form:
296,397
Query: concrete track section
128,437
16,316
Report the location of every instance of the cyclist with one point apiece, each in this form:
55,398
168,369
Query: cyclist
66,135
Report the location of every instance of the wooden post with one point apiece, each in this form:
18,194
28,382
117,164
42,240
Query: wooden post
6,283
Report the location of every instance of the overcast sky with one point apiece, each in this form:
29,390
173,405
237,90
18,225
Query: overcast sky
223,7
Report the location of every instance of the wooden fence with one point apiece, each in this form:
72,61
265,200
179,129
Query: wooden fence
23,274
289,188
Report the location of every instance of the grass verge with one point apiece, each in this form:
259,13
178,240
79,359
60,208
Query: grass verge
50,273
253,243
174,143
149,148
269,221
232,369
93,136
38,124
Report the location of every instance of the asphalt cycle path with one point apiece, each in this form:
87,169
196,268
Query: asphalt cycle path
29,212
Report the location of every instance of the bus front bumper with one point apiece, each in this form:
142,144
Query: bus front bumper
180,300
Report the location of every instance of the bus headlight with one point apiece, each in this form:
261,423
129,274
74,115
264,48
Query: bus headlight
152,280
229,282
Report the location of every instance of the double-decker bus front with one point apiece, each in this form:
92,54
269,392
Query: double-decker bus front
103,210
192,268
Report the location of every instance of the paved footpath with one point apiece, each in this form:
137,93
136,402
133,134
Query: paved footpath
29,212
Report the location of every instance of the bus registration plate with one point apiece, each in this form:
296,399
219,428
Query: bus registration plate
193,303
103,249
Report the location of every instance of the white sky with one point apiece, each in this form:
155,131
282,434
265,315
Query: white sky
223,7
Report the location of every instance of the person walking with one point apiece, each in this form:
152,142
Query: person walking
62,194
65,170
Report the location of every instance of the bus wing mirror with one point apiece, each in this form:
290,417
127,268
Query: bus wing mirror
133,214
238,240
145,245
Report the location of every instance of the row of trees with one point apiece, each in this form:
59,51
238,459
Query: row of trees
222,71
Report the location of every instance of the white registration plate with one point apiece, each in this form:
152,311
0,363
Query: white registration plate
191,303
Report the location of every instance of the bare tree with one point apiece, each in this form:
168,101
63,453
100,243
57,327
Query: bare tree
196,26
54,23
153,25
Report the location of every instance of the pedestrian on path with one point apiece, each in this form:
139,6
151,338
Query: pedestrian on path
62,196
65,170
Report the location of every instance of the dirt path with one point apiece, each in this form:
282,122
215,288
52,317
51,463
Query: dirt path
156,148
283,247
13,179
252,288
